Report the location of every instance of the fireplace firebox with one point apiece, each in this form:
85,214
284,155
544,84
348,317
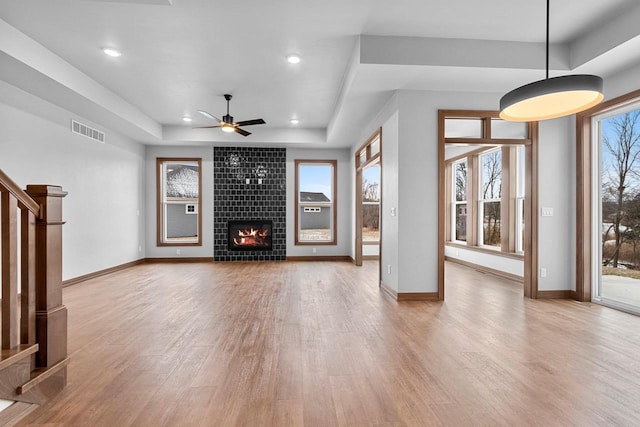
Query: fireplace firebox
249,235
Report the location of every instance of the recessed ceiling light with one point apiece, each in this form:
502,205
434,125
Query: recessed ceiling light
293,59
294,121
187,119
115,53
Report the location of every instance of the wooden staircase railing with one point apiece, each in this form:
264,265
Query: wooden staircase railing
33,355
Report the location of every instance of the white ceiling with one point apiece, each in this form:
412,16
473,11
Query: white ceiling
183,55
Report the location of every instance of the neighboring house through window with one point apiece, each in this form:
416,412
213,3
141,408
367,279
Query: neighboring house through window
315,205
179,204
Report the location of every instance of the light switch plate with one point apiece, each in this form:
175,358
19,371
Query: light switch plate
546,211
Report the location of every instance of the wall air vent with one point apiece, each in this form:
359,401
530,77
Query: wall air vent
87,131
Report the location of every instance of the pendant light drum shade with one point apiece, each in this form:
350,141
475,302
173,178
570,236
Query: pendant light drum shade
551,98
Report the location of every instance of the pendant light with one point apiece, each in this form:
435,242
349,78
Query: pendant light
552,97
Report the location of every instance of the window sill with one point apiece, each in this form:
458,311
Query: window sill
314,243
179,244
495,252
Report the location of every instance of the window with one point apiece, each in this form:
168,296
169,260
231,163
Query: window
607,186
179,205
490,198
371,204
617,199
459,211
484,181
315,202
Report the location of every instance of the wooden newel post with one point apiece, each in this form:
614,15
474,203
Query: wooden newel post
51,314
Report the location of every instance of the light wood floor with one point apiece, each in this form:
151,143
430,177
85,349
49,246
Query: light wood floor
317,344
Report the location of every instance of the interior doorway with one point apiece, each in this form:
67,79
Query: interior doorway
487,202
368,236
371,211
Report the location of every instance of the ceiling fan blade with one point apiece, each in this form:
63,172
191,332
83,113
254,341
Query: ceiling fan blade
251,122
206,127
242,132
209,116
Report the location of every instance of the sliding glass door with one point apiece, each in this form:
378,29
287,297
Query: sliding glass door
616,230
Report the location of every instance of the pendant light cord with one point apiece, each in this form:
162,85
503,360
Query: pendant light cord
547,39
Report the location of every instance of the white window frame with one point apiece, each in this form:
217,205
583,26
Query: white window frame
455,203
162,202
482,201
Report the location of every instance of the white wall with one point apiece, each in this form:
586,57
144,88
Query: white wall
206,193
387,118
622,83
418,181
414,183
500,263
389,218
370,250
344,199
557,183
104,210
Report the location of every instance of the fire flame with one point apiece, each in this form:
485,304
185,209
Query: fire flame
251,237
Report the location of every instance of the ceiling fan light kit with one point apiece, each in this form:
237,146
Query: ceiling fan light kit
552,97
227,124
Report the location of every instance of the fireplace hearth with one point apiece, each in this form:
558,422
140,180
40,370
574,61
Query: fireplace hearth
249,235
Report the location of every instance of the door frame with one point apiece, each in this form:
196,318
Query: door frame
584,191
359,167
530,279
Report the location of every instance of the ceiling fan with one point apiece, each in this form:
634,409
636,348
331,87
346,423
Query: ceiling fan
227,124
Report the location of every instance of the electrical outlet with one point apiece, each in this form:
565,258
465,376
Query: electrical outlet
543,272
177,251
389,269
139,248
314,250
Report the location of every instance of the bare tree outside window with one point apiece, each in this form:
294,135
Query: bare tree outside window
460,203
621,189
371,204
491,189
